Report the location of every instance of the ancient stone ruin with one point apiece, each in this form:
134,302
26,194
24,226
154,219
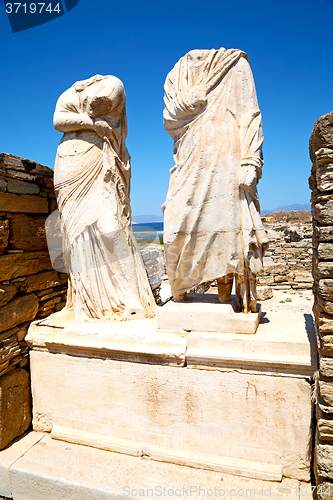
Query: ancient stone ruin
29,286
187,400
321,184
288,260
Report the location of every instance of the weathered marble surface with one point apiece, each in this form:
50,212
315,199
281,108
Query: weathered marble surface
92,183
204,312
212,219
39,467
10,455
228,402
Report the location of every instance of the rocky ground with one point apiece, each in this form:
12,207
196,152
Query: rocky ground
289,301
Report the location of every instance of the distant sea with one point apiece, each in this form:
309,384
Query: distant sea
149,230
152,230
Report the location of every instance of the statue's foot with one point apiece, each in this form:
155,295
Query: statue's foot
248,305
224,296
253,305
246,295
179,297
224,290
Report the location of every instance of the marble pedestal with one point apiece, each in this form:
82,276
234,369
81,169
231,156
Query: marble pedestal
225,402
37,467
205,313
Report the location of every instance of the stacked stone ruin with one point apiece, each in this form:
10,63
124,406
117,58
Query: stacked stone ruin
153,260
287,264
29,286
321,184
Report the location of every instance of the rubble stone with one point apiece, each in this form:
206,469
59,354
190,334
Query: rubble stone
21,187
16,265
42,281
27,232
323,212
15,405
264,293
10,202
325,251
18,310
324,460
7,292
4,234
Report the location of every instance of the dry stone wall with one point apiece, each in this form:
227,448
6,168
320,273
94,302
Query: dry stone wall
288,264
153,259
321,184
29,286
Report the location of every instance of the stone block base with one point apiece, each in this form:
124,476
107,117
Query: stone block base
204,312
177,397
54,470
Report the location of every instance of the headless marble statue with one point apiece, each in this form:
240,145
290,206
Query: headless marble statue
92,184
212,224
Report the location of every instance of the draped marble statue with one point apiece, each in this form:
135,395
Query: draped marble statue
107,278
212,225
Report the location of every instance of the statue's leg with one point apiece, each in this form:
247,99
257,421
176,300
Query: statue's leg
246,293
253,294
238,291
224,285
242,294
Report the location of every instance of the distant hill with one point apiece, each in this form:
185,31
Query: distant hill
143,219
288,208
292,216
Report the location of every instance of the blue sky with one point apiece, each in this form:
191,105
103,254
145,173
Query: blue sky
290,48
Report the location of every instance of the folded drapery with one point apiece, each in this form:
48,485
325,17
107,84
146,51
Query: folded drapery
212,224
92,176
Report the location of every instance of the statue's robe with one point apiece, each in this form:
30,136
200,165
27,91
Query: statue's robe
212,227
107,278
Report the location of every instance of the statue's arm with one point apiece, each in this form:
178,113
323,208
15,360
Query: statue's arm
65,121
182,105
249,119
68,118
